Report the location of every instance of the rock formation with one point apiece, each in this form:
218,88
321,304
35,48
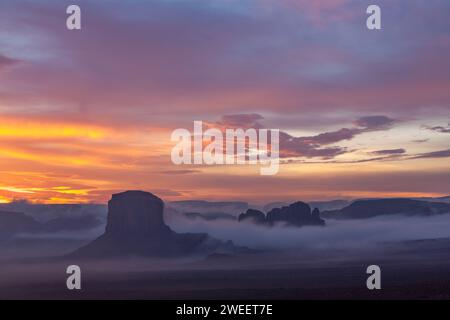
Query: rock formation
297,214
213,216
254,216
12,223
315,214
201,206
362,209
136,227
136,212
15,223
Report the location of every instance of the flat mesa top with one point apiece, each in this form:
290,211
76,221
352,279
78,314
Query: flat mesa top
134,193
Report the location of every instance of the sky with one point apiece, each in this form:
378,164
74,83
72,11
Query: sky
87,113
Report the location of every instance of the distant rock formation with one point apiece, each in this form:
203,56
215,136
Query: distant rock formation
272,205
46,212
212,216
136,227
12,223
296,214
201,206
77,223
445,199
363,209
254,216
315,214
329,205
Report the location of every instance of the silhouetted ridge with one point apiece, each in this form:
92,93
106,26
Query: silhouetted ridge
362,209
296,214
253,215
213,216
12,223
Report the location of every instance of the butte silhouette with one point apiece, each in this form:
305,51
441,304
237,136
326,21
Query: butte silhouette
135,227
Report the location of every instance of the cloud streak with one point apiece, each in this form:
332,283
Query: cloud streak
434,154
439,129
389,152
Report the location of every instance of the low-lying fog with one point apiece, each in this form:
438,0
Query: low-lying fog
336,233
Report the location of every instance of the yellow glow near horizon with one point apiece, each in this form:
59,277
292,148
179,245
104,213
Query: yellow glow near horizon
37,130
17,190
4,200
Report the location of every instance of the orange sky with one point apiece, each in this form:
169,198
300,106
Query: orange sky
71,163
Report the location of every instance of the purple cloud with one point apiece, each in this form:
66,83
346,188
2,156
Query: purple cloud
434,154
335,136
389,152
421,140
291,146
310,146
375,122
228,56
5,61
440,129
242,120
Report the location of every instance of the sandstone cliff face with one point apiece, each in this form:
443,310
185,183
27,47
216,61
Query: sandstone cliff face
136,227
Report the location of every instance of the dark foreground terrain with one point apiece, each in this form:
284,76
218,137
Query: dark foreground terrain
412,270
